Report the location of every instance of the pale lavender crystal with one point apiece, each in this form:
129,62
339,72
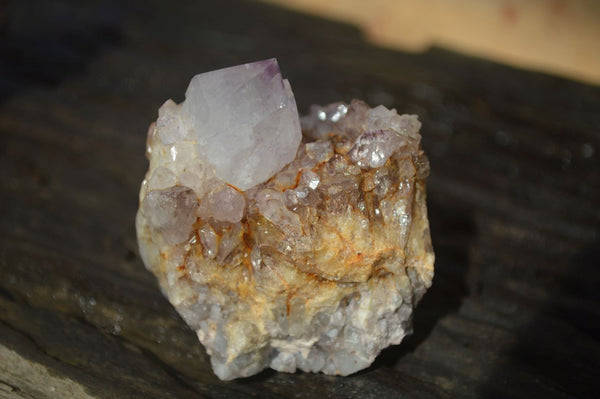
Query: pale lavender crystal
168,124
372,149
271,204
173,212
226,205
320,151
245,121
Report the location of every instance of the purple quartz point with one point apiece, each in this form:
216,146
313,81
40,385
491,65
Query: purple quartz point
244,120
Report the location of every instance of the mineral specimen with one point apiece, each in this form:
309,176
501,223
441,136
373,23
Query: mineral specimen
285,248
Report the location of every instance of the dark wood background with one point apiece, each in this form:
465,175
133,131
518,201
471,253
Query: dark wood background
514,199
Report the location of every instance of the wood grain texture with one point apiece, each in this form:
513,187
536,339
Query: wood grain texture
513,201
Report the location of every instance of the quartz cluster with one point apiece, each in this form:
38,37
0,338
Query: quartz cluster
285,243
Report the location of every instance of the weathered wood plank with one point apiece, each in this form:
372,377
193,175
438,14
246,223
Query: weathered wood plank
513,197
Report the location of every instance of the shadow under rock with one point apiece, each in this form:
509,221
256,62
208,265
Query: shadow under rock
452,231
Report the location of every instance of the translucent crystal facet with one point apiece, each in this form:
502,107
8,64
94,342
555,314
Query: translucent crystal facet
280,252
244,120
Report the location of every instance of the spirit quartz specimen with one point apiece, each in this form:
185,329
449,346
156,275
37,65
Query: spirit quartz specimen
284,243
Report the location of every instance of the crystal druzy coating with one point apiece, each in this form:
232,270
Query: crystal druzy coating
284,243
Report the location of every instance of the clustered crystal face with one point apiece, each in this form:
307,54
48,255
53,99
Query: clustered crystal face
280,249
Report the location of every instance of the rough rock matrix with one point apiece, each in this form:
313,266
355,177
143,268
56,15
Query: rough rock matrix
280,248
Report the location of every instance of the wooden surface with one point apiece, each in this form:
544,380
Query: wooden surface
514,200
